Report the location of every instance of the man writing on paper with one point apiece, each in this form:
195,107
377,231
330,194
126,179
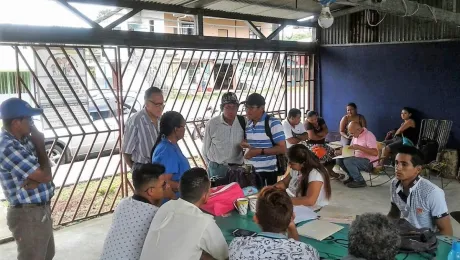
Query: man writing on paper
364,145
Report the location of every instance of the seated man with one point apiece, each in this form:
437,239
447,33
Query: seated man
364,145
275,217
380,244
294,131
180,230
416,199
132,217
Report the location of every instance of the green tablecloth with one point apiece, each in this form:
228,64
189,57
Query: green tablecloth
334,247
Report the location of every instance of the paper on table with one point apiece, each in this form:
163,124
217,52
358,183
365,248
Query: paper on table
346,152
318,229
303,213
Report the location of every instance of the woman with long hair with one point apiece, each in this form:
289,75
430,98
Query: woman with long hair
407,131
352,115
167,152
308,182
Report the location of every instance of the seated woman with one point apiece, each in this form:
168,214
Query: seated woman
407,129
317,130
166,151
352,115
308,182
275,216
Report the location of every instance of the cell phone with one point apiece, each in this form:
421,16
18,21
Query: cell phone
243,233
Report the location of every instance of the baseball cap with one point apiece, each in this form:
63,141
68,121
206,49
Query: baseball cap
229,98
255,99
16,108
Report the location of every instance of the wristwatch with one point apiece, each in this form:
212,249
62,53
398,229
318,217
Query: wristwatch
262,152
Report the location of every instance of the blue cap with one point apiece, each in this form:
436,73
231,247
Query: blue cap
16,108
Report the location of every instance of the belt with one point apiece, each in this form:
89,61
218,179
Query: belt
30,205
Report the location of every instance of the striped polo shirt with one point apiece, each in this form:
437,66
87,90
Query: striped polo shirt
140,136
257,138
424,204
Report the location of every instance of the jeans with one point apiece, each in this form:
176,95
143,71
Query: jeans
353,167
217,170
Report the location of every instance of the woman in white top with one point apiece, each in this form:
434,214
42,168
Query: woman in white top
308,182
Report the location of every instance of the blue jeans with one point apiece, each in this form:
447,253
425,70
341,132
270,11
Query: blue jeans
217,170
353,165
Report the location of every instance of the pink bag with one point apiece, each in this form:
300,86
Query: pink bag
221,200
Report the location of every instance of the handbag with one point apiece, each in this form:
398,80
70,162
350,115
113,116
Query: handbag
221,199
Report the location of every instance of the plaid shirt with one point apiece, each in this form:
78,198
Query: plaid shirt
17,161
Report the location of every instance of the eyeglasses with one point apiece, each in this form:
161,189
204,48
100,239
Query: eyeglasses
156,104
163,186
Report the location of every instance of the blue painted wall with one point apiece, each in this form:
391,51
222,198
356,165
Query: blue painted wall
381,79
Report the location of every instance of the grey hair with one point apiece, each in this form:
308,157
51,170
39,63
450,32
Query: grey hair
373,236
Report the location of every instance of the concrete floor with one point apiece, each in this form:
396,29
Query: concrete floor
85,240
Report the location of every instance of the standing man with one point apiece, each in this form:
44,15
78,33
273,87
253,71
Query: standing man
25,176
419,201
142,129
261,149
364,145
223,136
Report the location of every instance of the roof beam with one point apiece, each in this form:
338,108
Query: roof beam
75,11
108,15
348,11
414,9
276,32
122,19
88,36
193,11
200,3
255,30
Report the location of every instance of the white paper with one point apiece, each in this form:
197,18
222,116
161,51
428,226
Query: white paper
303,213
346,152
318,229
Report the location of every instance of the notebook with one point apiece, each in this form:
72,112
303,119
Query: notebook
303,213
346,152
318,229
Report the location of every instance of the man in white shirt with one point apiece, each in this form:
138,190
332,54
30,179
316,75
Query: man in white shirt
294,130
275,216
180,230
133,215
223,136
416,199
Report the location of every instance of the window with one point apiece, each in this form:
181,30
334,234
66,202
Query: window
187,28
152,25
222,32
253,35
133,26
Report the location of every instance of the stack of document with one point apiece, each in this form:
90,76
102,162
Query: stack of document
346,152
318,229
303,213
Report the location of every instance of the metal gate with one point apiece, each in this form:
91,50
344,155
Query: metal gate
89,92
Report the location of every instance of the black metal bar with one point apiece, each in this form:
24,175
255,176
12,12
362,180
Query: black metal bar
199,30
198,86
134,75
286,88
110,185
222,83
183,78
142,83
130,54
276,32
175,76
191,81
266,77
159,67
268,98
107,59
71,90
121,122
79,14
255,30
196,147
147,5
276,83
247,75
65,35
18,85
261,74
122,19
167,71
95,81
189,152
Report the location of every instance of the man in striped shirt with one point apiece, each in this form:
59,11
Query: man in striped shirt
142,129
261,149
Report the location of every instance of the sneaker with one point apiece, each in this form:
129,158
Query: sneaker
356,184
348,181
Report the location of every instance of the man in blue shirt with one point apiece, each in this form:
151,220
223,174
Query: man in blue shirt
261,149
25,176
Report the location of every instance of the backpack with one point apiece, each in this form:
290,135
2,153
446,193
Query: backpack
429,150
281,160
416,240
240,175
242,124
